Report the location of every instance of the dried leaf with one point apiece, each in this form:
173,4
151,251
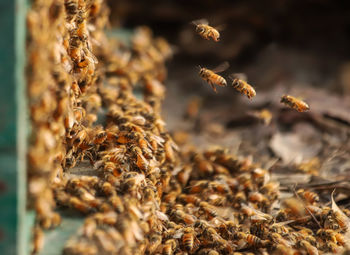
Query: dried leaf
342,219
291,148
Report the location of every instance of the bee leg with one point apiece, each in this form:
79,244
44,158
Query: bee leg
213,87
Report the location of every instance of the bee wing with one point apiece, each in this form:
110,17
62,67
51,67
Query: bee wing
222,67
241,76
178,234
200,21
220,27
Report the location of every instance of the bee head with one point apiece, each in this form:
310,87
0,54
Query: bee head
200,29
283,99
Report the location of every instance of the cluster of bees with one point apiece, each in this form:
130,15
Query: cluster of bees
147,195
239,80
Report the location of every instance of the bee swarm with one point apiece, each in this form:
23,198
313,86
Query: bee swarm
147,195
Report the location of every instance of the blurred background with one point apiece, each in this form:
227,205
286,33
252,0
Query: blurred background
274,41
294,47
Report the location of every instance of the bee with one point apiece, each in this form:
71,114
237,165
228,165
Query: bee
170,147
264,115
311,166
154,87
308,196
217,200
212,77
240,197
223,245
170,197
204,166
202,225
71,7
104,241
95,8
239,82
184,175
279,228
328,234
271,190
189,199
80,247
38,237
256,197
295,103
188,238
278,239
141,162
311,250
169,247
219,187
144,145
108,218
207,251
89,227
193,108
154,242
284,250
79,205
333,247
181,215
295,207
205,31
252,240
198,186
341,239
164,48
209,209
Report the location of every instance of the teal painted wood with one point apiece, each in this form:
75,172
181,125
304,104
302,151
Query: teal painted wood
13,125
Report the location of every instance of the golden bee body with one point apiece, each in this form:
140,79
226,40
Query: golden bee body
212,77
205,31
243,87
295,103
188,239
208,32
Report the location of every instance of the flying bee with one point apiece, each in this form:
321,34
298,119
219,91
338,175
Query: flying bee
205,31
212,77
295,103
263,115
239,82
